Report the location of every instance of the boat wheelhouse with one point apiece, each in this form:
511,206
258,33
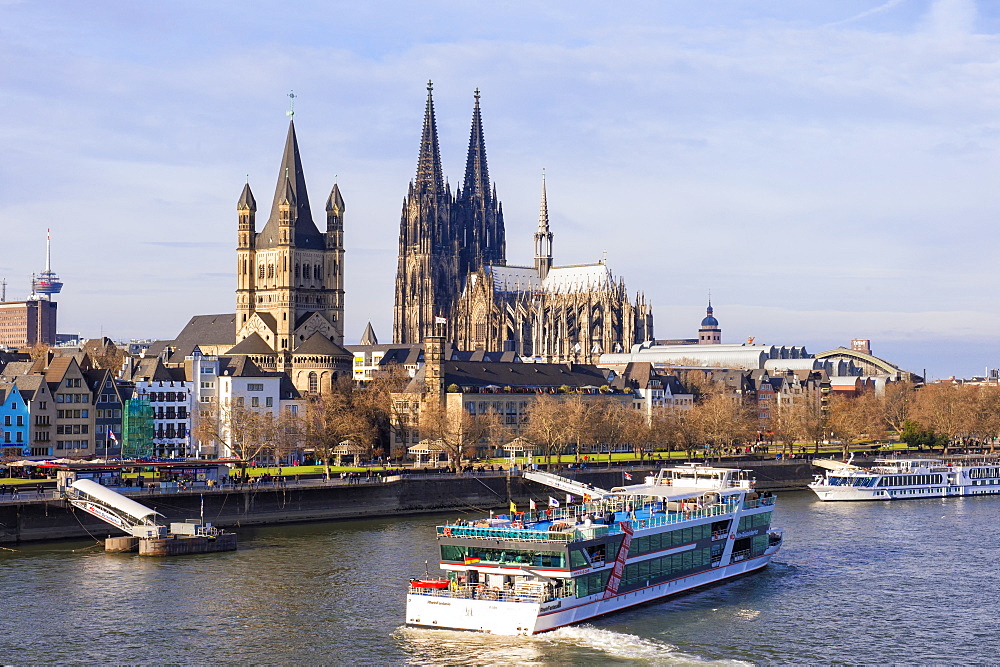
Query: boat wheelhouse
893,479
529,572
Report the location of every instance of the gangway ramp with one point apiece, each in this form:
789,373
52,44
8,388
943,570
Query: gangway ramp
123,513
566,484
830,464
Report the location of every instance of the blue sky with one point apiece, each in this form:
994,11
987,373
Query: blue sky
827,170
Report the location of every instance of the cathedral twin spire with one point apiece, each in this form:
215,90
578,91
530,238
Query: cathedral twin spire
442,239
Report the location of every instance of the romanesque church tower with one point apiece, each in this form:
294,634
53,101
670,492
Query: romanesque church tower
444,238
290,276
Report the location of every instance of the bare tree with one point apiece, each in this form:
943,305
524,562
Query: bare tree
243,431
724,420
457,431
548,426
328,420
615,424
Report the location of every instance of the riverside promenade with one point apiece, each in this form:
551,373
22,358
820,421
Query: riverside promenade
36,516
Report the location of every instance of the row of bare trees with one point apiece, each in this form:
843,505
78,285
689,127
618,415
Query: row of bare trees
942,414
553,425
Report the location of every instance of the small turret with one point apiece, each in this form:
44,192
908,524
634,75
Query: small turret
247,210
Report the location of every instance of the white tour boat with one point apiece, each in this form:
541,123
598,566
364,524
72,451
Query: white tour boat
529,572
893,479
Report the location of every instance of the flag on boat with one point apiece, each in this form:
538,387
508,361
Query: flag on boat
469,560
553,502
627,476
513,507
440,320
111,436
531,505
586,498
569,498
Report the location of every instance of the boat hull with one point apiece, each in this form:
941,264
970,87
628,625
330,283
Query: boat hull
526,618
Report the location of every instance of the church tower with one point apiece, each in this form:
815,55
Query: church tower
290,276
709,333
479,216
427,275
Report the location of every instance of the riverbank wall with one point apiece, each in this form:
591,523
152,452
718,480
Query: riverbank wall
469,495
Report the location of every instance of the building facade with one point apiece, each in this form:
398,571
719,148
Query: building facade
552,313
27,323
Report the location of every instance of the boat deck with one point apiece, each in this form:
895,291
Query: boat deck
589,520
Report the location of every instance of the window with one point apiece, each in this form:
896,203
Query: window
269,401
20,420
313,382
239,400
254,401
207,385
84,414
255,387
207,370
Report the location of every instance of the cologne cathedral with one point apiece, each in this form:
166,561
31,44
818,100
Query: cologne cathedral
453,272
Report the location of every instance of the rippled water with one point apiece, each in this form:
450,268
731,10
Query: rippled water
901,581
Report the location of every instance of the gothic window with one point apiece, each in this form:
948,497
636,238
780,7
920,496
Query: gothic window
260,271
296,270
270,270
313,383
317,272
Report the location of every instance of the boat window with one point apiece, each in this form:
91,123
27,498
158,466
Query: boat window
576,559
751,521
475,554
655,570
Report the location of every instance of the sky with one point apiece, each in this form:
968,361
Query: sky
825,170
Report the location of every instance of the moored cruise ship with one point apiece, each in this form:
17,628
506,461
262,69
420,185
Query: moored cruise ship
524,573
893,479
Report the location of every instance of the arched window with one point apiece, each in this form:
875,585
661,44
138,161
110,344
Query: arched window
313,383
260,271
270,270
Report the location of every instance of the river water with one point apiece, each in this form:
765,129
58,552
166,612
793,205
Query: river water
901,581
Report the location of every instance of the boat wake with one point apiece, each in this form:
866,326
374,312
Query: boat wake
624,646
573,644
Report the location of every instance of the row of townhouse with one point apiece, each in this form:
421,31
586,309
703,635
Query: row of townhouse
205,386
64,407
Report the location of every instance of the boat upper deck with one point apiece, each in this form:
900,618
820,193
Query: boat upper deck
591,520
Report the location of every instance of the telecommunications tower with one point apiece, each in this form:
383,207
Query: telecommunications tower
46,283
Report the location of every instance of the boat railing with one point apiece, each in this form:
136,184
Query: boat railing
481,592
763,501
582,531
740,555
505,533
